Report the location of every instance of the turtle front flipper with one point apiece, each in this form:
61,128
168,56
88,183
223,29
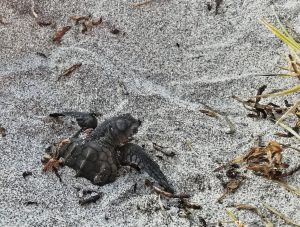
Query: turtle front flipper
86,121
134,155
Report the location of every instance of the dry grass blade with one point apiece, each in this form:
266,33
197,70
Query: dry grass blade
254,209
288,187
60,33
282,216
70,70
289,129
290,111
232,216
138,4
294,64
283,36
282,92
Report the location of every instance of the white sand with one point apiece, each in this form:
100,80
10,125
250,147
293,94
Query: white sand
216,57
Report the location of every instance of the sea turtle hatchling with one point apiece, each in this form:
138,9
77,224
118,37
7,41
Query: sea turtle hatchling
99,156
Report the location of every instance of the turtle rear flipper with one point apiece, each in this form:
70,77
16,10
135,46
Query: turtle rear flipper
132,154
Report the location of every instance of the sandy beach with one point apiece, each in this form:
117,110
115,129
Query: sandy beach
160,62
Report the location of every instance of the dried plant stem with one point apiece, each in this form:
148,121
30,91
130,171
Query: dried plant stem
282,216
289,129
138,4
291,110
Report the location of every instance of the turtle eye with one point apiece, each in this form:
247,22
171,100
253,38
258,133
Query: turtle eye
135,130
121,125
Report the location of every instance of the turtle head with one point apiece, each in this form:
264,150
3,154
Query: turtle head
123,128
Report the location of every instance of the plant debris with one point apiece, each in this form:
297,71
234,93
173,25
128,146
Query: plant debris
53,161
43,23
39,21
2,131
233,217
92,199
261,110
286,219
138,4
41,54
288,187
183,203
255,210
291,131
164,193
115,31
214,113
209,113
86,22
218,4
31,203
230,187
26,174
70,70
60,33
161,149
266,160
209,6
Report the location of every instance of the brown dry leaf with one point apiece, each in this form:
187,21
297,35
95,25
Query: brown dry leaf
266,160
60,33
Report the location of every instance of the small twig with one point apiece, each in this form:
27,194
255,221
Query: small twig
92,199
164,193
70,70
187,204
209,113
160,148
232,128
60,33
31,203
55,170
138,4
282,216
